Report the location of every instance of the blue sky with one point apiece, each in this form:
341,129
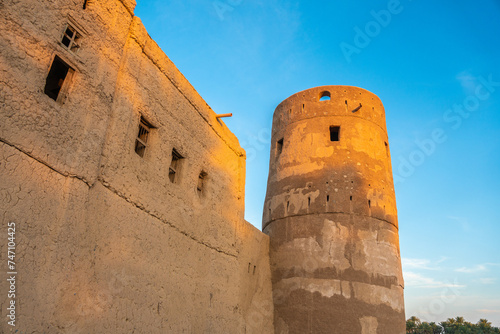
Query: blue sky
436,68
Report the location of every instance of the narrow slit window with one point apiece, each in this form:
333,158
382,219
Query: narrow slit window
141,141
309,201
200,187
279,147
386,148
328,198
369,203
71,39
59,73
350,198
175,165
334,133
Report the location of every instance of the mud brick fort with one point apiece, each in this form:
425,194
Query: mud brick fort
127,193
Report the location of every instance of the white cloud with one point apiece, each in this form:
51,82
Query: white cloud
487,280
478,268
415,263
488,311
421,263
417,280
464,222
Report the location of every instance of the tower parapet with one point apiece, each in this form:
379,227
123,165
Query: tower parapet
330,212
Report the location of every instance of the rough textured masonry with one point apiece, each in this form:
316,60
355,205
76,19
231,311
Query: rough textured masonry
330,213
128,193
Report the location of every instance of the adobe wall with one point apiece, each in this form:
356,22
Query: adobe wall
105,241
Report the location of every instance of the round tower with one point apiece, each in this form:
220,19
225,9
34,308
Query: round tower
330,213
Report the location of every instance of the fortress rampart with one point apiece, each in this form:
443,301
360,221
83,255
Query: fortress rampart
330,212
126,191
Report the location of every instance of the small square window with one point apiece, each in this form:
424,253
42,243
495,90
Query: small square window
59,75
71,39
175,166
142,137
334,133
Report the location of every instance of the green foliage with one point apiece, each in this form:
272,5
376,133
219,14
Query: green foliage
457,325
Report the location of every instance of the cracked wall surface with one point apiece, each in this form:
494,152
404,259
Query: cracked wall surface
105,241
330,212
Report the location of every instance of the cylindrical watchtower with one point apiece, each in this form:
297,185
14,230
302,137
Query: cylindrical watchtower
330,212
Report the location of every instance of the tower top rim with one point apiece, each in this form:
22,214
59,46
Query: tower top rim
329,101
336,88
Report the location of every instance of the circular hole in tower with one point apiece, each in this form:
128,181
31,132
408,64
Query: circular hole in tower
325,96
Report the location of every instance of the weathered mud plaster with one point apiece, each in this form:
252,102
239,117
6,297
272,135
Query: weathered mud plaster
330,213
106,242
